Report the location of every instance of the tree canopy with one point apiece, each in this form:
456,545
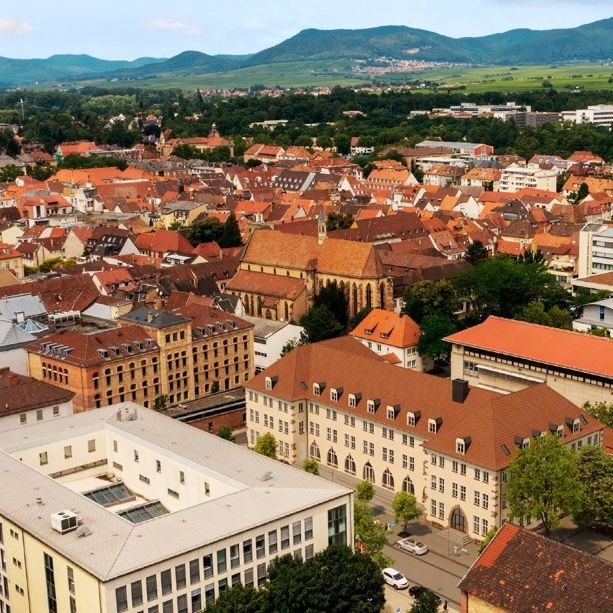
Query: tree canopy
320,324
267,445
336,580
596,474
405,508
434,328
231,234
544,482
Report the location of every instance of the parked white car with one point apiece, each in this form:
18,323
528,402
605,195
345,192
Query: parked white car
413,546
395,578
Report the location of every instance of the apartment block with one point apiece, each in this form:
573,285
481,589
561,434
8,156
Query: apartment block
180,355
125,510
444,441
515,177
595,249
598,114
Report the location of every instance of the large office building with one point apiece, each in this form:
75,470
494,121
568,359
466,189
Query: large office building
506,355
447,443
126,510
176,356
597,114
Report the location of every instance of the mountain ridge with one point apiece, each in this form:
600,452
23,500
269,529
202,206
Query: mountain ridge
587,42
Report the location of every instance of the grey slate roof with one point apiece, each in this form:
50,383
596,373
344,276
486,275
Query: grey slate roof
156,318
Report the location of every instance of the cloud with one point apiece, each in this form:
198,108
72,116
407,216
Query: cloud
10,27
174,26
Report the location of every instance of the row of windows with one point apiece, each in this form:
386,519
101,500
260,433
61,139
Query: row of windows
221,562
23,417
43,456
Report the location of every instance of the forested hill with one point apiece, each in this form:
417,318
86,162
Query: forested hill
588,42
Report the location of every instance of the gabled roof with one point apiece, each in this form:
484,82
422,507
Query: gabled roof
349,259
275,286
269,248
388,328
572,350
521,570
20,393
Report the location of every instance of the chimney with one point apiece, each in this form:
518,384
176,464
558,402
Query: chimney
459,390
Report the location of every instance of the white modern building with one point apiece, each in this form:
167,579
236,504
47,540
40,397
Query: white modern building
596,315
598,114
515,177
269,338
595,249
125,510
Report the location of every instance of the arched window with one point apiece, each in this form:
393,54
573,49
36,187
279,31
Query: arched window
388,479
407,486
331,458
368,297
368,473
349,465
314,451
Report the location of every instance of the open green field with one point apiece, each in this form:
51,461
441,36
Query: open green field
523,78
321,73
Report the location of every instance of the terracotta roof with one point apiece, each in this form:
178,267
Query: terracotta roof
572,350
20,393
162,241
84,348
521,570
270,248
349,259
388,328
266,285
493,427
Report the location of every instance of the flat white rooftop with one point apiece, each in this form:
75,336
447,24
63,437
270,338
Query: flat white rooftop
261,491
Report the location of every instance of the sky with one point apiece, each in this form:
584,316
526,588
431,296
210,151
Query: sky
127,29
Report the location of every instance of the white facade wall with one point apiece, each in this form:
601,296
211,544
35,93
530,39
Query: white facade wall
11,422
268,350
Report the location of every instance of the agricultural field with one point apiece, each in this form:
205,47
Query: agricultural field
330,73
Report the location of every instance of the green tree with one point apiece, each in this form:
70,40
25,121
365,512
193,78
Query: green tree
338,221
426,602
231,235
343,144
290,346
405,508
427,297
544,482
336,580
579,195
333,297
476,253
359,317
239,598
159,404
596,474
555,318
602,411
320,324
364,491
267,445
311,466
204,230
489,535
371,533
434,328
225,432
504,286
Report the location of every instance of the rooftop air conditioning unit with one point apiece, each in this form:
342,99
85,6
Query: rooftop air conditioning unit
64,521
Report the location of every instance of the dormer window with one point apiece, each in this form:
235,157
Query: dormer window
372,406
335,393
353,400
576,425
460,446
434,425
317,388
269,382
560,431
413,417
392,411
525,443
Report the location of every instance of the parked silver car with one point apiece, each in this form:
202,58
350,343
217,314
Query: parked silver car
412,546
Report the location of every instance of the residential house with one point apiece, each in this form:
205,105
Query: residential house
11,259
391,335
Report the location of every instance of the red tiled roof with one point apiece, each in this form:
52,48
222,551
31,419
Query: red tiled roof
388,328
522,571
573,350
266,285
